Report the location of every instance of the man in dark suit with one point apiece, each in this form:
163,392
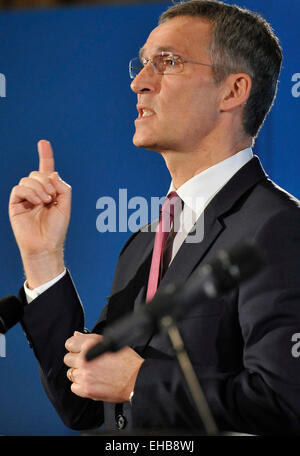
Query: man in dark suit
205,80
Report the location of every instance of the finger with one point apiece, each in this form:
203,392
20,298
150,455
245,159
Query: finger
72,374
22,193
72,359
39,189
90,343
74,343
69,374
78,390
44,180
80,341
46,164
81,390
90,392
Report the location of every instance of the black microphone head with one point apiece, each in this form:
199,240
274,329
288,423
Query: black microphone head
11,311
232,266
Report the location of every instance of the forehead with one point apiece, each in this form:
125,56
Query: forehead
187,35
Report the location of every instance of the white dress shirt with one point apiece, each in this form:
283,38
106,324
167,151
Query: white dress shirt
196,193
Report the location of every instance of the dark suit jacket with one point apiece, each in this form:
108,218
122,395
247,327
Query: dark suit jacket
240,344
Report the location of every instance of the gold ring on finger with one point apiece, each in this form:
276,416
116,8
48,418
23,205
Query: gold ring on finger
70,374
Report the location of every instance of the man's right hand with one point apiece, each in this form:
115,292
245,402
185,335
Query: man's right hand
39,212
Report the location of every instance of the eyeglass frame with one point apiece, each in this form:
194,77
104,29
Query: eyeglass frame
144,61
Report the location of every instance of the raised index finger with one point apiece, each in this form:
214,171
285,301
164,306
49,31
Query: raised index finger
46,157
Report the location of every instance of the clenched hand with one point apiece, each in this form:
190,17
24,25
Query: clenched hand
111,377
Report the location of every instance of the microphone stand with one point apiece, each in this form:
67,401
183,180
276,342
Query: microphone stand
168,325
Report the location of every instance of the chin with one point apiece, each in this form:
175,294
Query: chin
145,143
151,143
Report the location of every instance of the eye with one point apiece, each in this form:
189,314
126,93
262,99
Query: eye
170,61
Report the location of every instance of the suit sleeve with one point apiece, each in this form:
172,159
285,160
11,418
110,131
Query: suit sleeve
264,396
48,322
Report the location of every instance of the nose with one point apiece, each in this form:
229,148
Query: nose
146,80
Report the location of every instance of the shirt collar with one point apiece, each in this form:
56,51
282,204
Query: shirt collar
197,192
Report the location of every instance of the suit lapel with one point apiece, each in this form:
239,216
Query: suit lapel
190,253
133,266
210,223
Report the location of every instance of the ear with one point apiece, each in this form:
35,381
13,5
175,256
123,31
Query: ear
236,91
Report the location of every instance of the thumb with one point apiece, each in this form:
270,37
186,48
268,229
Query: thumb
60,185
63,191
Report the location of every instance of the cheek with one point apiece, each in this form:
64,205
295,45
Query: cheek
203,104
176,107
194,97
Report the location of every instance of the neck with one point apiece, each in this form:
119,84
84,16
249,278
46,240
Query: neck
187,164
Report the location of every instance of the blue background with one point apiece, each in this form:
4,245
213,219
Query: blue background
67,81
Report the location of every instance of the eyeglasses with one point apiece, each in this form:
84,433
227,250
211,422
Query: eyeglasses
163,63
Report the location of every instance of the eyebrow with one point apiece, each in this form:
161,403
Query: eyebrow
158,49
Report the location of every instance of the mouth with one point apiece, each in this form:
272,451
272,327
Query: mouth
144,112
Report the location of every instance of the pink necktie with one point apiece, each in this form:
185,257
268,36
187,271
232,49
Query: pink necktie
171,205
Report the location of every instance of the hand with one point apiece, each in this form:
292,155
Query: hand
39,211
110,377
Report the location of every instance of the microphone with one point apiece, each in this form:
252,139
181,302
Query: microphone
11,312
218,276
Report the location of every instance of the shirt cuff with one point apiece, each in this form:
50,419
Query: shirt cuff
32,294
131,397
